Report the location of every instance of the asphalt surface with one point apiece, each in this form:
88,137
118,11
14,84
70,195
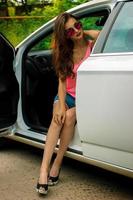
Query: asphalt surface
19,170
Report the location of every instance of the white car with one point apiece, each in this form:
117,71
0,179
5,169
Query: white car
104,94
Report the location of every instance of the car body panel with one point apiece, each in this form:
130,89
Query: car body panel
106,108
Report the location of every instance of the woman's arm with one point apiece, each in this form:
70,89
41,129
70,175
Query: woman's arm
59,112
93,34
62,92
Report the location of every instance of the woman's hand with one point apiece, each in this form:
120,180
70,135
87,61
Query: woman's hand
60,108
59,115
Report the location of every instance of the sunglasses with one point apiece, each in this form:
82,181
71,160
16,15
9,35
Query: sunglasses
71,31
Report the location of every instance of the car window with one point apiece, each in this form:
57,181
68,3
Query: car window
93,21
120,38
44,44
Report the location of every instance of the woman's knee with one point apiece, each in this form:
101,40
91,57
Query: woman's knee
70,117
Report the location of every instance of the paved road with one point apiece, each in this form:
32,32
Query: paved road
19,169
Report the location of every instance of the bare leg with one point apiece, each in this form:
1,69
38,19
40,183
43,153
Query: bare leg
65,138
51,141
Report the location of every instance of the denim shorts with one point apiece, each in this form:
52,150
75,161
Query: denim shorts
70,100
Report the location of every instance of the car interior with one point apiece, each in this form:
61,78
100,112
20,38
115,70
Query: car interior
40,88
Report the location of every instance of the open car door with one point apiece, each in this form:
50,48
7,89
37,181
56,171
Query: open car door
9,90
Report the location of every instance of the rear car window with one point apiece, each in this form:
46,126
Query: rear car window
120,38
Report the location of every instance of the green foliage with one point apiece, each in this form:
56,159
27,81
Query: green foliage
90,23
11,11
18,29
63,5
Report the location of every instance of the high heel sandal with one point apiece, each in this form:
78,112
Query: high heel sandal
53,180
42,188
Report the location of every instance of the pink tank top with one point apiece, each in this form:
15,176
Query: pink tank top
71,82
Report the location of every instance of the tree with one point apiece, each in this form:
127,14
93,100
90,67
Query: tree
4,1
4,7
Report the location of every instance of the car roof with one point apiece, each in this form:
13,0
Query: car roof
93,2
97,2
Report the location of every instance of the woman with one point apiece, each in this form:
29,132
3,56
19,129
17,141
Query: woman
71,48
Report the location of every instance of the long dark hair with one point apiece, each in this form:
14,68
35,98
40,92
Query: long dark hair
63,48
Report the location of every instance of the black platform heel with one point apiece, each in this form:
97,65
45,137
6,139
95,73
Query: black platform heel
42,188
53,180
